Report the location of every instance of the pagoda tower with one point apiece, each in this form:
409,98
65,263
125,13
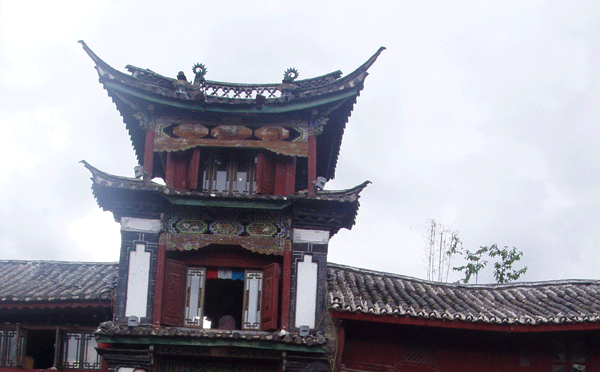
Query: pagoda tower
223,266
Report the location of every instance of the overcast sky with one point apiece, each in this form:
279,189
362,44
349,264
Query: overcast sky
482,115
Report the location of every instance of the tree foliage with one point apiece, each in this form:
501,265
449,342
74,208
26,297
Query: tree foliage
474,264
504,270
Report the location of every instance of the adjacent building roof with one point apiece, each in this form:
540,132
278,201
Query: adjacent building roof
359,291
351,290
37,283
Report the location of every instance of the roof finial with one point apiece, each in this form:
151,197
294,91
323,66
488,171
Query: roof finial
290,75
199,70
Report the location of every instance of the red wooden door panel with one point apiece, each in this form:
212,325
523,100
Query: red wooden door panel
270,297
173,295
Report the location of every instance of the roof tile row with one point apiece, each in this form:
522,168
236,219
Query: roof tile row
356,290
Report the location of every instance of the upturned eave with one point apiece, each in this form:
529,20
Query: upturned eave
330,96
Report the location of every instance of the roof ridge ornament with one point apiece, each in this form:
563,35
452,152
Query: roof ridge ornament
199,70
290,75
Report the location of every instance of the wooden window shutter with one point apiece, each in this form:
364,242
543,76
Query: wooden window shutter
177,169
285,175
193,169
270,298
265,174
173,296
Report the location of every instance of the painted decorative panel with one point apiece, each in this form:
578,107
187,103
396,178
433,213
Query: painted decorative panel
190,226
226,228
190,131
257,232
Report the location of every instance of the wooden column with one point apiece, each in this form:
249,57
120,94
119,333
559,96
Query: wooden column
312,163
158,289
341,342
287,285
148,155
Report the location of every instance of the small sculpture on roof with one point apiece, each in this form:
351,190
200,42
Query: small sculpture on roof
290,75
199,70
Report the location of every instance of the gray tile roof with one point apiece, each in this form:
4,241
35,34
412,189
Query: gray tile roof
356,290
118,182
110,329
351,290
54,281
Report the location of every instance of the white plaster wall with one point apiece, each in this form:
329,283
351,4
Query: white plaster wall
140,225
137,282
311,236
306,292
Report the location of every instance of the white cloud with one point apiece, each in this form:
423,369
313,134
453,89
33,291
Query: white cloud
555,200
97,235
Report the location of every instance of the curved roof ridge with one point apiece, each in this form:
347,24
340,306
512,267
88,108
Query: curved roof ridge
467,286
167,81
61,262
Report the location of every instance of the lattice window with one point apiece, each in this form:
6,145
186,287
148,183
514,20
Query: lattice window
220,297
228,172
78,351
252,297
9,348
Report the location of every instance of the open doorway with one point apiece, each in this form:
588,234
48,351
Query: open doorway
40,347
224,297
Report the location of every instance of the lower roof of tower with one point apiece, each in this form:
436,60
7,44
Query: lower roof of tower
119,194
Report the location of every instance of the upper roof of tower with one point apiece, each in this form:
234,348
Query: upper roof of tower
323,103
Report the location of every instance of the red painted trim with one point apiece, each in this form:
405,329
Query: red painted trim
341,342
9,369
170,171
312,163
280,168
290,177
193,170
149,154
465,325
286,289
224,258
61,305
285,175
160,278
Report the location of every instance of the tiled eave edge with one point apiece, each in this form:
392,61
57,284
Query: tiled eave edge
430,321
107,180
21,305
186,337
245,107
